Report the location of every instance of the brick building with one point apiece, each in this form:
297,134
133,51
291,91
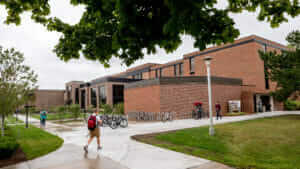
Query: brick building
46,99
237,72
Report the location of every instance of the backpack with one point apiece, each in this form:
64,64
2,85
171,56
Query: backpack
92,122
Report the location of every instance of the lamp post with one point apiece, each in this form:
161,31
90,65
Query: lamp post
207,61
19,98
27,107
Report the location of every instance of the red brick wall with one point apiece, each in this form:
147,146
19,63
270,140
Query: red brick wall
142,99
178,98
45,99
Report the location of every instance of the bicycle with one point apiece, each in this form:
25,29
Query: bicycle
167,116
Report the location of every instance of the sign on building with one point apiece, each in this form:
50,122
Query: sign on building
234,106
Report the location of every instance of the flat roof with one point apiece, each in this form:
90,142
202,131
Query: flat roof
184,80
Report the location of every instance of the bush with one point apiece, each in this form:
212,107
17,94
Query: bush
292,105
119,108
61,112
107,109
75,110
8,145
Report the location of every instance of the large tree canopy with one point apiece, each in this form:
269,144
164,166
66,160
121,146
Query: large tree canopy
128,28
284,68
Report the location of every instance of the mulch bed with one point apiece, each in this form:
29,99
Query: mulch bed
18,156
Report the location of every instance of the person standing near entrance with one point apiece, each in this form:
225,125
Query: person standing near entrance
218,111
94,123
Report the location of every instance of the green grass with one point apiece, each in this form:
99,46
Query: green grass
33,141
56,116
271,143
11,120
236,114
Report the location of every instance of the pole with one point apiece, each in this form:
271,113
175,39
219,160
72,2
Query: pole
27,116
211,128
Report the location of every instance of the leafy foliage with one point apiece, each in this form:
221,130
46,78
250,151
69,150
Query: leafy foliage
292,105
127,29
107,109
284,69
119,108
75,110
17,82
8,145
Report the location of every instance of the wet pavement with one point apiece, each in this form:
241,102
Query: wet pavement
120,151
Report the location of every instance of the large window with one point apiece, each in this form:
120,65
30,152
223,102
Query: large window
180,69
76,96
160,72
138,76
82,99
267,85
93,97
102,94
175,70
118,94
192,65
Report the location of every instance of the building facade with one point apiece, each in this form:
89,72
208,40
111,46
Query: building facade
237,72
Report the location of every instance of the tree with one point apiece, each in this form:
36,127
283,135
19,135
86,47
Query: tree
284,68
16,79
128,28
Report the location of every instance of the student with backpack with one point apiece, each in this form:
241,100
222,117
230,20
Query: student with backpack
43,118
94,123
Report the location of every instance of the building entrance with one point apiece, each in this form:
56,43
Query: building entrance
263,103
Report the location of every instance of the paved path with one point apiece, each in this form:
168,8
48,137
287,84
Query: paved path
118,146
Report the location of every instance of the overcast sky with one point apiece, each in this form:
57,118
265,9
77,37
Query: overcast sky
37,44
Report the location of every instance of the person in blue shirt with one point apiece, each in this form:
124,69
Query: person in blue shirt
43,118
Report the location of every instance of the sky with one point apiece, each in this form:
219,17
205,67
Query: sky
37,44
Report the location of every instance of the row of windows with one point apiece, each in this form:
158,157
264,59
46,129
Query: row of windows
178,70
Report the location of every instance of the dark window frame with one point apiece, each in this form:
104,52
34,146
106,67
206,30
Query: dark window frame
102,94
93,97
180,65
192,65
160,72
175,70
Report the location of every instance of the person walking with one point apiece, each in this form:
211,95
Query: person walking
199,110
218,111
43,118
94,123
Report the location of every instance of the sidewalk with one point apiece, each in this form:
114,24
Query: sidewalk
123,151
69,156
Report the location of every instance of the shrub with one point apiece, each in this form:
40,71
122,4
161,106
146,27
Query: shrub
8,145
107,109
119,108
61,112
292,105
75,110
90,109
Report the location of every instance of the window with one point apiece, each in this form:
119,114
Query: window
192,65
156,73
93,97
180,69
160,72
267,85
83,99
102,94
175,70
137,76
118,94
76,96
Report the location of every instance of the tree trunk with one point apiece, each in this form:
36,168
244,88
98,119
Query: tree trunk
2,125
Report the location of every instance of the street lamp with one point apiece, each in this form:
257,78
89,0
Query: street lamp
27,107
207,61
19,96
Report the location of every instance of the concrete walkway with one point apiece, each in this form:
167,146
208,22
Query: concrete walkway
124,151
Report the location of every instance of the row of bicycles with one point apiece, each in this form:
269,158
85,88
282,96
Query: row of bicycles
152,116
111,120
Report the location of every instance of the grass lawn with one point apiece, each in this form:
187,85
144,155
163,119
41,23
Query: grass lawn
57,116
33,141
272,143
